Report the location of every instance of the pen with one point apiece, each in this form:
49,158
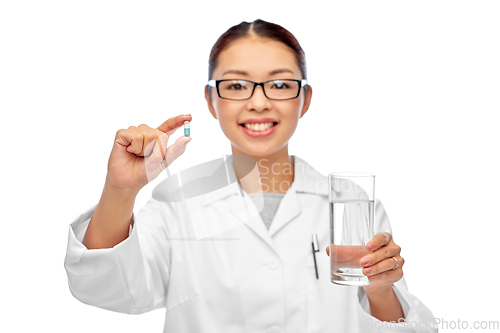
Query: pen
315,248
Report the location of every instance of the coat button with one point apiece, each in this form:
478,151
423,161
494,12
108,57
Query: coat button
273,265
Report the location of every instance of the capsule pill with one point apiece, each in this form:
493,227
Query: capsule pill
187,129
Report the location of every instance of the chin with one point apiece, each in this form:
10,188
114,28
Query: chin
257,151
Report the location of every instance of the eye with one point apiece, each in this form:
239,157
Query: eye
236,86
280,85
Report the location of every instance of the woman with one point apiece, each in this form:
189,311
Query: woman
258,273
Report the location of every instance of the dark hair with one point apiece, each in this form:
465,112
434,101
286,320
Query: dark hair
257,28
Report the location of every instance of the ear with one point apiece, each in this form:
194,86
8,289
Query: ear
307,99
208,97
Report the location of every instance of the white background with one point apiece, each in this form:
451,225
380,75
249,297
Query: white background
406,90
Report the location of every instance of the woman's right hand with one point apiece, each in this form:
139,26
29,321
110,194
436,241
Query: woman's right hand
137,149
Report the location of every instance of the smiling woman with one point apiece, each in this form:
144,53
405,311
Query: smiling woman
250,65
262,276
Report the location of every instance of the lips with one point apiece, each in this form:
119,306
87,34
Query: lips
259,134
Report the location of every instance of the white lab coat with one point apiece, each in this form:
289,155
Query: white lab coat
234,275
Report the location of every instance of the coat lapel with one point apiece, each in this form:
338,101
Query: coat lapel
306,180
220,188
288,209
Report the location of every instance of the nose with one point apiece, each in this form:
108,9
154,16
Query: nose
259,100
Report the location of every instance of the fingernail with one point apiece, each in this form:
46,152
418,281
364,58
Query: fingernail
370,246
152,165
364,261
367,270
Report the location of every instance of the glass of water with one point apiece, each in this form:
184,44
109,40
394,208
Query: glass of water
351,197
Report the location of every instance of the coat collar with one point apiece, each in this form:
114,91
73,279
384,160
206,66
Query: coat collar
207,184
306,180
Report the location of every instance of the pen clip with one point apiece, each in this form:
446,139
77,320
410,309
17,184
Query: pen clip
315,248
315,242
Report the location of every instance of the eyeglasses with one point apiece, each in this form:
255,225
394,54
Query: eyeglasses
243,89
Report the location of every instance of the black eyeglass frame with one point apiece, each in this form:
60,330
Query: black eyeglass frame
215,83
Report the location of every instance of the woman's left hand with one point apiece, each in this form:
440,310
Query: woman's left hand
384,265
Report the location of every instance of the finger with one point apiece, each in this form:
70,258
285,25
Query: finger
124,138
176,149
136,139
327,250
159,149
388,251
174,123
151,136
161,146
385,265
169,133
155,163
388,277
170,154
379,240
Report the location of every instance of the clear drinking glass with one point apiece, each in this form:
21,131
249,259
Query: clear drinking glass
351,197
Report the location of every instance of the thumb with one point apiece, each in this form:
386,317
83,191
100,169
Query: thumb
177,149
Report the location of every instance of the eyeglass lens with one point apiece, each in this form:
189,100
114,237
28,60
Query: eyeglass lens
276,89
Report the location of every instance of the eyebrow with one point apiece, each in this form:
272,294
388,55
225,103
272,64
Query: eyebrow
276,71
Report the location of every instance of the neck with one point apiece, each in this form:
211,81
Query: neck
274,171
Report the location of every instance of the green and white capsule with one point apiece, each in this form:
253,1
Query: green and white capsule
187,129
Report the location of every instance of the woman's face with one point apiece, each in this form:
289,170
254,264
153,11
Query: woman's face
254,59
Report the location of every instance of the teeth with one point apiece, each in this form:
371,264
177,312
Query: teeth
259,127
